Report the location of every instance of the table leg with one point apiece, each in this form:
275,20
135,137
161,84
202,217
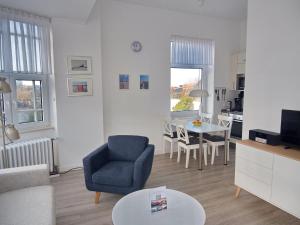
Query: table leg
226,146
200,156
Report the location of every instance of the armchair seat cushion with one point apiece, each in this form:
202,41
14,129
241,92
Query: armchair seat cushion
115,173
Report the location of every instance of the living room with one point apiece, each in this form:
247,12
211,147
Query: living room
132,39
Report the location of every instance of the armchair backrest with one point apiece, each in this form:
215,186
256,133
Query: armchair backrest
126,147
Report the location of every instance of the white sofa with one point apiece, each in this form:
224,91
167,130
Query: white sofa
26,197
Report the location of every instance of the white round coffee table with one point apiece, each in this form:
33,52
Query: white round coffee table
135,209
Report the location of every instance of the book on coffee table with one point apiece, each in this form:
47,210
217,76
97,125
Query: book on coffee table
158,199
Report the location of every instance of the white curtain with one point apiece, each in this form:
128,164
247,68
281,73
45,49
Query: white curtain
24,43
191,52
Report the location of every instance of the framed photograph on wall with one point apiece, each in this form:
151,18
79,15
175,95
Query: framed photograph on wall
79,65
144,82
123,81
80,86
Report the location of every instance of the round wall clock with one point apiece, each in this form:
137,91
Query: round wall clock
136,46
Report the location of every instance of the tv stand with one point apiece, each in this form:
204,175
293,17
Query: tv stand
269,172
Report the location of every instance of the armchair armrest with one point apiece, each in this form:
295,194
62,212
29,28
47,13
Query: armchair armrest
143,166
94,161
23,177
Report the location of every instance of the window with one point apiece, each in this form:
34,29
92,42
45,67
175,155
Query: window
182,82
25,62
191,61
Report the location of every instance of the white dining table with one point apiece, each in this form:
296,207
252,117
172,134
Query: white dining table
205,128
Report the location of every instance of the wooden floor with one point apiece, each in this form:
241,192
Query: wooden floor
212,187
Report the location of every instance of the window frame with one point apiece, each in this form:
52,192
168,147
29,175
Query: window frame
29,72
200,83
45,101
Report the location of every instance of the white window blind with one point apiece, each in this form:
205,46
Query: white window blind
191,52
25,43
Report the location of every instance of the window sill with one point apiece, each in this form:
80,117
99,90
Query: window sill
36,129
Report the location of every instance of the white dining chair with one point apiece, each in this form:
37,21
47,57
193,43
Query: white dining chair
169,136
215,141
187,143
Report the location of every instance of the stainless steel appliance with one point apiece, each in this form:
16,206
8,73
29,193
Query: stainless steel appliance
237,124
240,82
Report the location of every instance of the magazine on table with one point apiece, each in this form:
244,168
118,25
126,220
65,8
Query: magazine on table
158,199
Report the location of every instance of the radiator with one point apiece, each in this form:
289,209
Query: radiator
31,152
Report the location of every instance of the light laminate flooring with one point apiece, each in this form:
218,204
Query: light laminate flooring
213,188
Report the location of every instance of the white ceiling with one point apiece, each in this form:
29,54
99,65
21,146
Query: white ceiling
78,10
229,9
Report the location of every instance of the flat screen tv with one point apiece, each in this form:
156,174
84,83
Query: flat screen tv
290,127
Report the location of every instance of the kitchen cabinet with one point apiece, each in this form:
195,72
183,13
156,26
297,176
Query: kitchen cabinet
238,66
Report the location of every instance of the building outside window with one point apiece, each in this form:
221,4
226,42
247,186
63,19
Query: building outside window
182,82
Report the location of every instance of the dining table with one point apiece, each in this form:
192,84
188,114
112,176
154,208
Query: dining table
205,128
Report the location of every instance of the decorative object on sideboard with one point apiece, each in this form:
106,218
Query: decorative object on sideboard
136,46
79,65
8,131
80,87
123,81
144,82
199,93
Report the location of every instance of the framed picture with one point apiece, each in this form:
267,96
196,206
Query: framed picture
123,81
78,65
144,82
80,87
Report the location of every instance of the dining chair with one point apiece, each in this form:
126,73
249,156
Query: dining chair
169,136
188,143
215,141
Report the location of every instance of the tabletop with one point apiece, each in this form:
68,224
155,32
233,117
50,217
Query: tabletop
204,128
135,209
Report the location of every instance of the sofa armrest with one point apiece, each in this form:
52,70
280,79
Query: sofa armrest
23,177
94,161
143,166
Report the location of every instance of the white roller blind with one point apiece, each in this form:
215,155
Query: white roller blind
191,52
24,43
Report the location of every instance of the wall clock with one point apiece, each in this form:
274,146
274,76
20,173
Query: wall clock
136,46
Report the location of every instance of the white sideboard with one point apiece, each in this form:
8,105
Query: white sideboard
270,172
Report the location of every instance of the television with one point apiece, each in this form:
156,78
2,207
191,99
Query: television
290,127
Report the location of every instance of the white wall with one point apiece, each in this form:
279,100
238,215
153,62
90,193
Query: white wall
79,119
272,68
243,40
141,112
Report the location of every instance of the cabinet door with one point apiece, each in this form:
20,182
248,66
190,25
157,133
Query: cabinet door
241,68
286,185
234,69
241,58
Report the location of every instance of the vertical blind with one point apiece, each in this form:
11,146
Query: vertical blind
191,52
24,43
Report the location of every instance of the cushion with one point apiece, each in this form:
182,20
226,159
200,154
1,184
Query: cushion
126,147
192,141
115,173
174,135
28,206
215,138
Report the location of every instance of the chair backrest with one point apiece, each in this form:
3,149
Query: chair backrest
126,147
182,134
225,121
206,117
168,128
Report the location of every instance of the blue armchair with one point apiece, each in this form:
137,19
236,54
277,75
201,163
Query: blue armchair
121,166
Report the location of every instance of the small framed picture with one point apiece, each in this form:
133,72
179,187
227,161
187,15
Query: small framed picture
144,82
123,81
80,86
79,65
